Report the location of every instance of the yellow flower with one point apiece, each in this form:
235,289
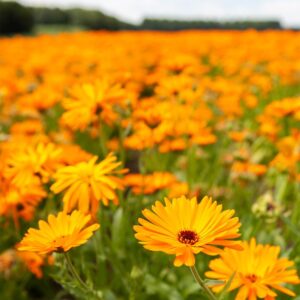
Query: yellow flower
32,165
257,269
90,102
184,227
20,202
33,261
150,183
87,183
60,234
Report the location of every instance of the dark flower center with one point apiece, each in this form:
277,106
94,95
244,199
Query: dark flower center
20,207
270,207
188,237
60,250
252,278
57,244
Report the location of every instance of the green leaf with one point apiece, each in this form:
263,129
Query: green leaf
118,231
226,287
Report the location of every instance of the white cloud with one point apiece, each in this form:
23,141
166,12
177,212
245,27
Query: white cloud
286,11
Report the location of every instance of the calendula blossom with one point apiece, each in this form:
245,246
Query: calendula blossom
34,261
59,234
257,272
183,227
32,164
90,102
87,183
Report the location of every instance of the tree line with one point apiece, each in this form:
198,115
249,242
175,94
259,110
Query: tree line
161,24
16,18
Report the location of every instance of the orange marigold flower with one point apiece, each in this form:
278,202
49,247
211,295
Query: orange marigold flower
32,165
88,102
245,168
27,127
179,188
257,271
178,144
73,154
7,260
20,202
59,234
184,227
149,183
237,136
250,101
87,183
33,262
289,154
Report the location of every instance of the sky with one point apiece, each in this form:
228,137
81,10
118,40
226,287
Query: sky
286,11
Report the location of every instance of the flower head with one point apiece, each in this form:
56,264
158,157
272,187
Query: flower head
257,271
184,228
34,261
20,202
32,165
150,183
87,183
90,102
59,234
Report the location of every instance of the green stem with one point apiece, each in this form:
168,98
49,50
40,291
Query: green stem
103,140
74,272
202,284
121,143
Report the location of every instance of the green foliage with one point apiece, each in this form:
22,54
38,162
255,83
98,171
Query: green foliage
93,19
45,15
89,19
167,24
15,18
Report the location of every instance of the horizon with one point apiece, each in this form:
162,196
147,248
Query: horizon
134,11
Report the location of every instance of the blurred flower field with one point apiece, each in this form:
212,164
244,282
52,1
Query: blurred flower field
142,165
